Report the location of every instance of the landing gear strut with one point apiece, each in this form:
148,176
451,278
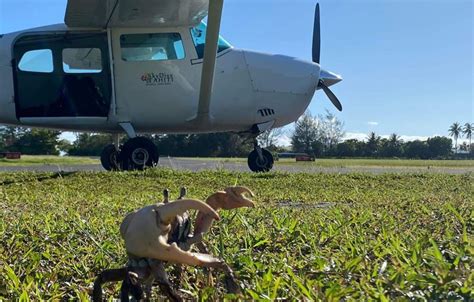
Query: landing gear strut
137,153
260,160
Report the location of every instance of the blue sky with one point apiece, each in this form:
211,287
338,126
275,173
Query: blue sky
407,65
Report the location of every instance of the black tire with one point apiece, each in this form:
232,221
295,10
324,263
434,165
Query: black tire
257,165
109,158
138,153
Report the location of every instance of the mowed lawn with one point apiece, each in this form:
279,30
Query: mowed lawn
311,236
364,162
389,163
30,160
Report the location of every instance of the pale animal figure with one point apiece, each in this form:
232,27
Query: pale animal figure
160,234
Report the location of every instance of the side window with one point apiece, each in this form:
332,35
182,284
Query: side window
82,60
152,47
40,60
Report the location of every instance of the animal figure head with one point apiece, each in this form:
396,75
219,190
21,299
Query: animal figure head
229,199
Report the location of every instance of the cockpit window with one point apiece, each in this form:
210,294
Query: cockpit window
199,37
152,47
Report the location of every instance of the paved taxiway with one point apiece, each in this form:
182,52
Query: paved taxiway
203,164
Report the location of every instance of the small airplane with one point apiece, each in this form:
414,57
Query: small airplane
140,66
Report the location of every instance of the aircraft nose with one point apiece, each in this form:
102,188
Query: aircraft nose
282,74
329,78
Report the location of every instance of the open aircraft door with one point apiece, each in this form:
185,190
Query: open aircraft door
61,75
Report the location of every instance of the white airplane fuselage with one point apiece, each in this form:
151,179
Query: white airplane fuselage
158,96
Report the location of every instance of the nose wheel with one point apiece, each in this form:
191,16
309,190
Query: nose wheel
260,160
137,153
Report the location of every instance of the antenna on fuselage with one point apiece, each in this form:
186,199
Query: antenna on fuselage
111,14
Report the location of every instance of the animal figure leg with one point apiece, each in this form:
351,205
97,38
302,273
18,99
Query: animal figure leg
110,275
161,277
131,285
229,279
178,273
132,282
148,284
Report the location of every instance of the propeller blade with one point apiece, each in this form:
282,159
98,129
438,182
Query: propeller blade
317,36
331,95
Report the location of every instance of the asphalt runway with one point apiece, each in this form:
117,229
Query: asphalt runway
203,164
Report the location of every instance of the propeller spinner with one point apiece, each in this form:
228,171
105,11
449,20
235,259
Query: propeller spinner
317,58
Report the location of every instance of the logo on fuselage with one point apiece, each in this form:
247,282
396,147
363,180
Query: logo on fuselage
155,79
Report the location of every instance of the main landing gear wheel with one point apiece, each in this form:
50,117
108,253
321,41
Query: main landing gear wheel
109,158
138,153
260,164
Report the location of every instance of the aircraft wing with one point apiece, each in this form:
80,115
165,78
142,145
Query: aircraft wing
134,13
158,13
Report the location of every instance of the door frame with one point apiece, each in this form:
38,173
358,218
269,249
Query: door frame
57,46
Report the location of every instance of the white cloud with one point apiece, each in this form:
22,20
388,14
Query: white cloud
410,138
363,136
355,135
68,136
373,123
406,138
284,141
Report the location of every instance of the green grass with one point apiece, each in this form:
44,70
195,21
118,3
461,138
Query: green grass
337,163
386,237
388,163
28,160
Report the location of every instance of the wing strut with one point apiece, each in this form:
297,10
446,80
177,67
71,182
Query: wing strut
209,64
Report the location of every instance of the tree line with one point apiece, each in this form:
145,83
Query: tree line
320,136
393,147
48,142
31,141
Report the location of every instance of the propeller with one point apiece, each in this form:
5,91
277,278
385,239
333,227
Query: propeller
335,101
317,36
317,58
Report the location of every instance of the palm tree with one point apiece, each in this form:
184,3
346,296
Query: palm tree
394,139
373,142
392,147
467,131
455,131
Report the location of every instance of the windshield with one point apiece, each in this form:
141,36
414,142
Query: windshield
199,37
